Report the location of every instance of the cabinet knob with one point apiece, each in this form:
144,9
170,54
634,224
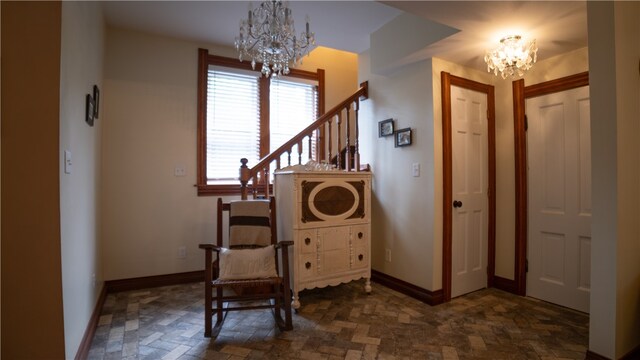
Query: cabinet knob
360,235
307,265
307,241
360,257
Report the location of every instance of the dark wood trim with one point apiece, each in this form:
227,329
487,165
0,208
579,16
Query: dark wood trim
447,196
557,85
90,331
590,355
202,120
113,286
447,80
633,354
520,94
228,189
491,201
265,101
426,296
246,65
504,284
520,153
320,144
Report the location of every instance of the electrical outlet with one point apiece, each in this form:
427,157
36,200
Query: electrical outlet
387,255
179,170
415,169
93,280
182,252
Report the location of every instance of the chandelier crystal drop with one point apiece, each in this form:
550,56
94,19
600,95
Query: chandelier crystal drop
512,58
268,36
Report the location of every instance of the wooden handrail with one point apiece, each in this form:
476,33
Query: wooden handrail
247,173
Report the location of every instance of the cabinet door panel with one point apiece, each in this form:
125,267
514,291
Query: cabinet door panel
334,250
307,266
307,242
360,235
360,257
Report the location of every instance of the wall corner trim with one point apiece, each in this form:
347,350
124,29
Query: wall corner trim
426,296
85,344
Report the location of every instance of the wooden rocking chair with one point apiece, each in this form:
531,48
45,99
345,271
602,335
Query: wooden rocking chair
249,267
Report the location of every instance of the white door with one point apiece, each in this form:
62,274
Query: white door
559,235
469,143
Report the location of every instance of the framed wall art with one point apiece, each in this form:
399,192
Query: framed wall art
96,101
385,128
403,137
90,110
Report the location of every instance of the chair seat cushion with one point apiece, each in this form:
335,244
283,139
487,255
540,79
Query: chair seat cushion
241,264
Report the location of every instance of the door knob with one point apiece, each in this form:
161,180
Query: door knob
457,203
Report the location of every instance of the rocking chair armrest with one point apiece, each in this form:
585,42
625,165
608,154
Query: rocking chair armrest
212,247
283,244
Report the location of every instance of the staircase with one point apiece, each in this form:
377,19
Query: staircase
329,129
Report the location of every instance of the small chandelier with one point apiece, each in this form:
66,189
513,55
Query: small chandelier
268,36
513,57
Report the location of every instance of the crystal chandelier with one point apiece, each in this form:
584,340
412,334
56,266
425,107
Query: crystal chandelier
269,37
513,57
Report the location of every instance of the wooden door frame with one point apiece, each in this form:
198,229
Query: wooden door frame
520,94
447,80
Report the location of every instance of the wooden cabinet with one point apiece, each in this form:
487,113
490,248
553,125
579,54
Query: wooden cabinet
327,216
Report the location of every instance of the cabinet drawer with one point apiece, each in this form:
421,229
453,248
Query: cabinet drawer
360,235
307,242
360,257
307,266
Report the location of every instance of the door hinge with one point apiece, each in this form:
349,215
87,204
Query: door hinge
526,265
526,122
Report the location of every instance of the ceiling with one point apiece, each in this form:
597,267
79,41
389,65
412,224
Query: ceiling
557,26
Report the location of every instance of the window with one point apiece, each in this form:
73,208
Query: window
244,115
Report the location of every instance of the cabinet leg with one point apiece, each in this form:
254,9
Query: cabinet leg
295,304
367,285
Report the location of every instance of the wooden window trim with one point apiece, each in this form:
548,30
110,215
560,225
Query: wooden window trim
204,60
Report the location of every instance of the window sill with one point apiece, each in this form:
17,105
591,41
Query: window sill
227,190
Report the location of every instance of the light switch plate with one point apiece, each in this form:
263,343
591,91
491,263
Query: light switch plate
416,169
67,162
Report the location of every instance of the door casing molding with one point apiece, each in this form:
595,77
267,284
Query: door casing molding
447,80
520,94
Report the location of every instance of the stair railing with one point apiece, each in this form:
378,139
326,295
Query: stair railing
259,175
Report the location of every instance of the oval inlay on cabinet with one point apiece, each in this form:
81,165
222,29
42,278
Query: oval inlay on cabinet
334,200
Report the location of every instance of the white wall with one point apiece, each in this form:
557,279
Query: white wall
405,95
627,30
82,46
149,128
0,193
402,206
614,52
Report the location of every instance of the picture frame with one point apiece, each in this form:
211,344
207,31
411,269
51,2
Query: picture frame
403,137
90,110
385,128
96,101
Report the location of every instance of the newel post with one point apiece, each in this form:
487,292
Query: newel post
245,174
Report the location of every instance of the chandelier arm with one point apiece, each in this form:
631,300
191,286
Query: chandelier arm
269,37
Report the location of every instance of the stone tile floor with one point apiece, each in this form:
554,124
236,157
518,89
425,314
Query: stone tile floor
341,322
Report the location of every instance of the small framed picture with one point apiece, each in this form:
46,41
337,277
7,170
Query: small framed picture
90,110
96,101
385,128
403,137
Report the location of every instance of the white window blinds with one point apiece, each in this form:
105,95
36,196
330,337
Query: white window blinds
293,106
233,123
